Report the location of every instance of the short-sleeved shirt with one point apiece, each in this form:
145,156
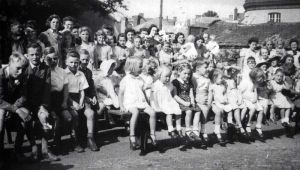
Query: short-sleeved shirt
77,82
58,79
296,56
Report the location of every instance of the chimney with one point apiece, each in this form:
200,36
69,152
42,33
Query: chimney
235,14
175,19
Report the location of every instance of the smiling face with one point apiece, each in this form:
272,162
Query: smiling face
54,24
34,56
252,46
199,42
72,63
279,77
264,53
180,39
100,39
84,35
84,60
289,60
251,64
294,46
122,41
137,42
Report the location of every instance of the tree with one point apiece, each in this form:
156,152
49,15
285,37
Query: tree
210,14
39,10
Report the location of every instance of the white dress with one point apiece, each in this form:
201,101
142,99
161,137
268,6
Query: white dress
249,94
133,92
278,99
220,97
233,95
163,100
148,84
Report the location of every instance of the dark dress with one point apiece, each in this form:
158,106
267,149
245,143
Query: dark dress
183,91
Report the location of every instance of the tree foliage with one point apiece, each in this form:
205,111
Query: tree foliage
210,14
41,9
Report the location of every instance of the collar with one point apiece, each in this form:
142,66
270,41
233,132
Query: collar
69,72
33,66
6,72
180,80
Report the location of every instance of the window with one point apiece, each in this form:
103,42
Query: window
274,17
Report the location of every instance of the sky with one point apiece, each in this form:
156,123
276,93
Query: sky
182,8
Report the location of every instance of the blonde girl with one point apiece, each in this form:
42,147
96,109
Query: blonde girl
184,95
132,98
162,100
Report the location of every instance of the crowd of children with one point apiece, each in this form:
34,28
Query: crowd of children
64,78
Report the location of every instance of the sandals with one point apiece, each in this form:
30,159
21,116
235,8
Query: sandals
133,144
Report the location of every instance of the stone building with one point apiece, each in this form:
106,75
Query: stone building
274,11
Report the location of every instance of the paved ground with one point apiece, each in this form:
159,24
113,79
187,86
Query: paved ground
278,152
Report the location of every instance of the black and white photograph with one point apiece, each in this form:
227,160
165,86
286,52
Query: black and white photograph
149,84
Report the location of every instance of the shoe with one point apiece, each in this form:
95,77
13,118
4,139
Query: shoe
133,145
189,136
260,135
195,137
49,156
205,140
284,124
173,134
230,132
92,144
220,140
78,149
153,140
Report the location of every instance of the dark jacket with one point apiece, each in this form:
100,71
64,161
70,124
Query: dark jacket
12,92
39,86
89,92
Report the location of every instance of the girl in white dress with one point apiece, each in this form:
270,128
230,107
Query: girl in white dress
132,98
279,100
162,100
235,100
248,89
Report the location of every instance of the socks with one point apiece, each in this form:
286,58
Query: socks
188,130
229,120
170,128
217,129
248,128
196,131
178,128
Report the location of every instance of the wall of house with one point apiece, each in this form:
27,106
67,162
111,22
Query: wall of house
261,16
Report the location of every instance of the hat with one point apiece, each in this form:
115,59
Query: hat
263,63
274,58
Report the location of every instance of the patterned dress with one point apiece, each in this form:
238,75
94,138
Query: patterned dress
278,99
183,91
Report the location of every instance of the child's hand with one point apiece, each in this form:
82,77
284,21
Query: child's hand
187,104
76,106
122,109
24,114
